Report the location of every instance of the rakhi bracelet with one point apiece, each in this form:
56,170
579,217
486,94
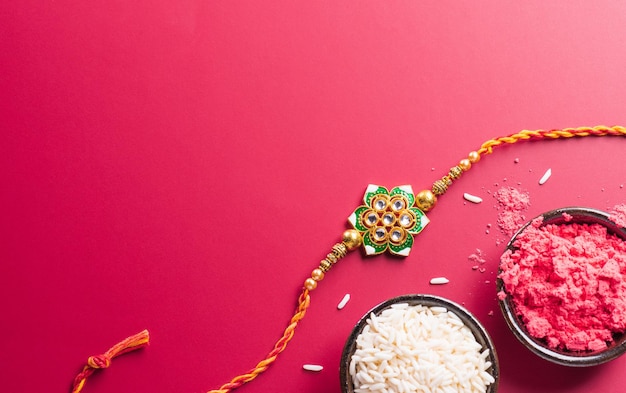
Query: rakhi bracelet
386,221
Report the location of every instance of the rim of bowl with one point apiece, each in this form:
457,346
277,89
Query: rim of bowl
580,215
477,329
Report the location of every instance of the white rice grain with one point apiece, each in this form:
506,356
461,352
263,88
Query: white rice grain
439,281
438,310
343,301
472,198
545,176
364,376
313,367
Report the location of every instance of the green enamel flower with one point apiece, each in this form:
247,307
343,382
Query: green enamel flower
388,220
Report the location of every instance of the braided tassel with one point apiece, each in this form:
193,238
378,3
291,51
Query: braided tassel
94,363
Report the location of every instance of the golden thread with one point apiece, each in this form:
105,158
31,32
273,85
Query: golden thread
441,186
303,303
487,147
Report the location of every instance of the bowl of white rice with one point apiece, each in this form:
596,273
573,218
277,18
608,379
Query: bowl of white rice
419,343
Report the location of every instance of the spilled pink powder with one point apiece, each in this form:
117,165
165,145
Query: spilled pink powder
477,257
512,203
618,215
567,282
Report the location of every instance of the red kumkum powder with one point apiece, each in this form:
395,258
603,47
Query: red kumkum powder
512,203
567,284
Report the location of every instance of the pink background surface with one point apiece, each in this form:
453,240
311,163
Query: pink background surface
183,166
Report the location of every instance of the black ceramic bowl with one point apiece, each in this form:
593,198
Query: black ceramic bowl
579,215
468,319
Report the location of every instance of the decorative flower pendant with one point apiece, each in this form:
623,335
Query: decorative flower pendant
388,220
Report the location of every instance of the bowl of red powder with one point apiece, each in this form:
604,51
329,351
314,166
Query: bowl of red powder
562,286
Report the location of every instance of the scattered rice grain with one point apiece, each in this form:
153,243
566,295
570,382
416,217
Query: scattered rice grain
472,198
439,281
313,367
343,301
545,176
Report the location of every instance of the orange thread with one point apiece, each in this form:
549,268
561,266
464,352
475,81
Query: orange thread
94,363
487,147
303,303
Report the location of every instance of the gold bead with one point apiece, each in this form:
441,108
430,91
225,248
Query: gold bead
440,187
317,274
425,200
456,172
352,239
473,157
340,250
325,265
332,258
310,284
465,164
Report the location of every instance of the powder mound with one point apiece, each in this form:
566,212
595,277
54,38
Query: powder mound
567,283
511,203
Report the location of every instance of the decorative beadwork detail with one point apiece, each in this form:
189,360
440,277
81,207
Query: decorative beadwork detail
325,265
332,258
340,250
440,186
388,220
456,172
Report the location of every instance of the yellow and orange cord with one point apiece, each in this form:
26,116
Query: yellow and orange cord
487,147
427,199
424,199
94,363
351,241
303,303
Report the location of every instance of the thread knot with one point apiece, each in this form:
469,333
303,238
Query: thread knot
99,361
